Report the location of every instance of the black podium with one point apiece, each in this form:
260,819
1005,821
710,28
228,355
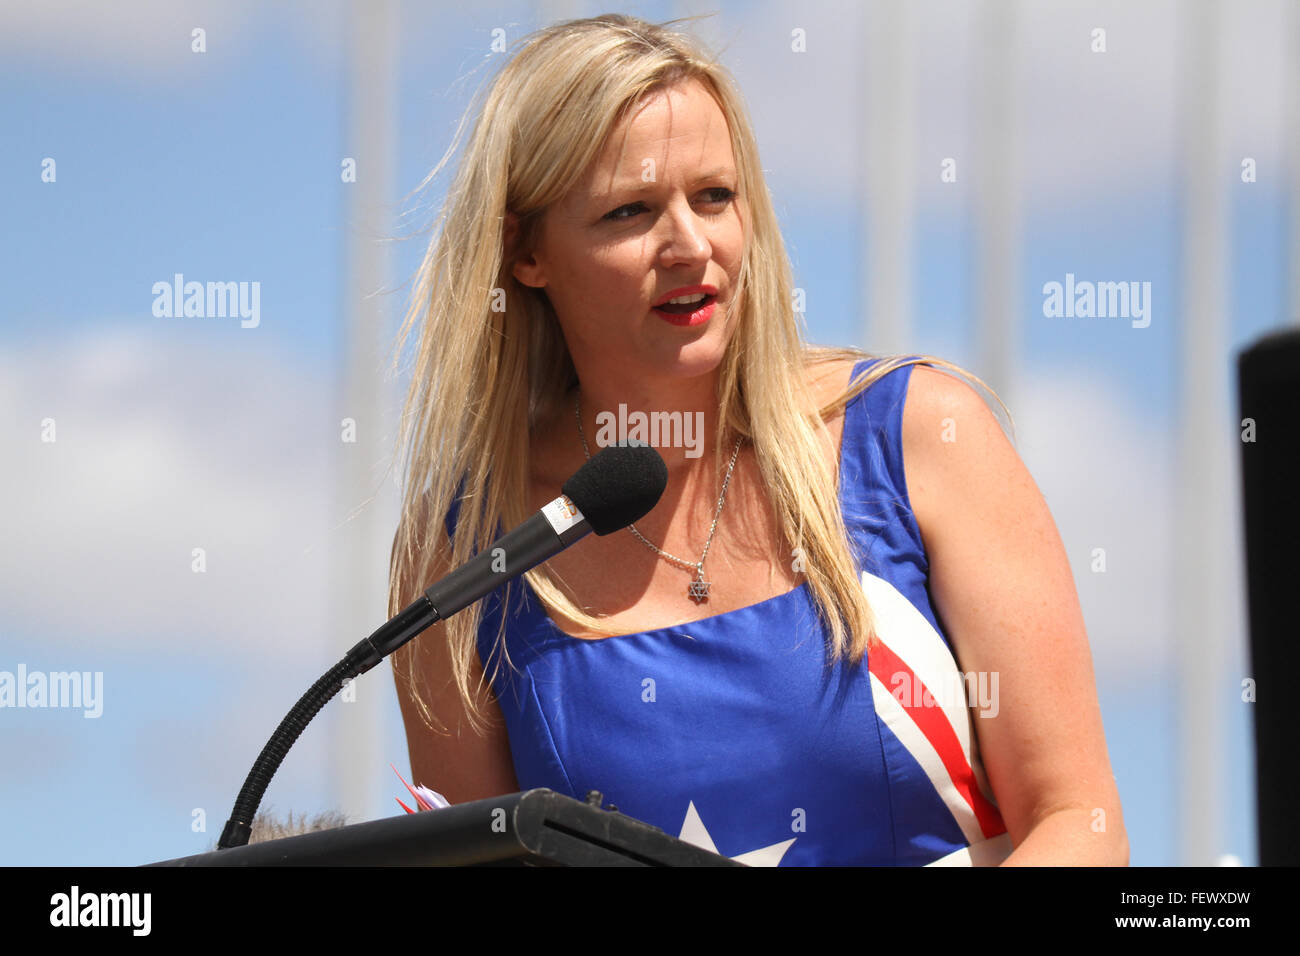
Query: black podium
534,828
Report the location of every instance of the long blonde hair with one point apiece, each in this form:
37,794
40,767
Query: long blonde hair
492,362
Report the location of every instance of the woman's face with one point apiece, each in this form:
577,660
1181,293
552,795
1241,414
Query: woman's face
655,213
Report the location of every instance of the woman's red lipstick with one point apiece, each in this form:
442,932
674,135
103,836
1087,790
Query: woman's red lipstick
684,315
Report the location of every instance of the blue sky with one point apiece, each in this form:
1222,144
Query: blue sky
225,166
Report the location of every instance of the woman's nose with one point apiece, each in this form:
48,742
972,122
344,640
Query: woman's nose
686,234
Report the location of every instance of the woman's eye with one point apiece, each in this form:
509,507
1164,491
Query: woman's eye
721,193
615,213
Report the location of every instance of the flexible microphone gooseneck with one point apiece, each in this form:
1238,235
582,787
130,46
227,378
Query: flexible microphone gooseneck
617,487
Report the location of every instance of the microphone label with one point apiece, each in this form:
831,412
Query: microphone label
562,513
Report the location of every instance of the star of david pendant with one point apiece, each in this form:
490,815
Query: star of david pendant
698,591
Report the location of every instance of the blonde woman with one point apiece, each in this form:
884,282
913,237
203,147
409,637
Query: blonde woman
841,637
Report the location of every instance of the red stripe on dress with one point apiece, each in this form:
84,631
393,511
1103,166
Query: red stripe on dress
933,723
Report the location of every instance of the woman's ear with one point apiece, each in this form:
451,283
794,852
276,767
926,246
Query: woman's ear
524,267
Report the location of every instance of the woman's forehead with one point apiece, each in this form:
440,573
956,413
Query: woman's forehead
686,135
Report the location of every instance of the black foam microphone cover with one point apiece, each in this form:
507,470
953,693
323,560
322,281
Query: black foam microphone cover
618,486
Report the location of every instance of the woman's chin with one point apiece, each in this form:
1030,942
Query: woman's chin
694,359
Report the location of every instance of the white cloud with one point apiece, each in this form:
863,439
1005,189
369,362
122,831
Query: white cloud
1107,472
162,447
149,40
1085,122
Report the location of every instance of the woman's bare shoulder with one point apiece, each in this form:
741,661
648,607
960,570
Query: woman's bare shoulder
829,379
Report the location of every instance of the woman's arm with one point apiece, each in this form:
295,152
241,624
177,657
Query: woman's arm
456,762
1003,590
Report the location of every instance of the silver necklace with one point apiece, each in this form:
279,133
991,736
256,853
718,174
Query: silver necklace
698,589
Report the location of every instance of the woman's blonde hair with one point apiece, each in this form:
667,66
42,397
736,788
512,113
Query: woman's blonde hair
492,362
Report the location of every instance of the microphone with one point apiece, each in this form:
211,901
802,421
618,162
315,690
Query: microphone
611,491
616,488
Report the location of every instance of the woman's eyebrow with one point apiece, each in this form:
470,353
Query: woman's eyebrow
637,186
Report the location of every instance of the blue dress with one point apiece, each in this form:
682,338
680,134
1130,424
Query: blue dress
730,733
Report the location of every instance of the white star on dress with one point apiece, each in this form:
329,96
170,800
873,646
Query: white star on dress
694,833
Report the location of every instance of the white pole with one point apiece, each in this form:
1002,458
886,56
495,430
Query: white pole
362,543
1203,578
995,147
888,126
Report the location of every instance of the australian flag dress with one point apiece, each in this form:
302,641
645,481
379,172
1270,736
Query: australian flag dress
732,733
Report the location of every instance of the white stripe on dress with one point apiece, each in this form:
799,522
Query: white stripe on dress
900,723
